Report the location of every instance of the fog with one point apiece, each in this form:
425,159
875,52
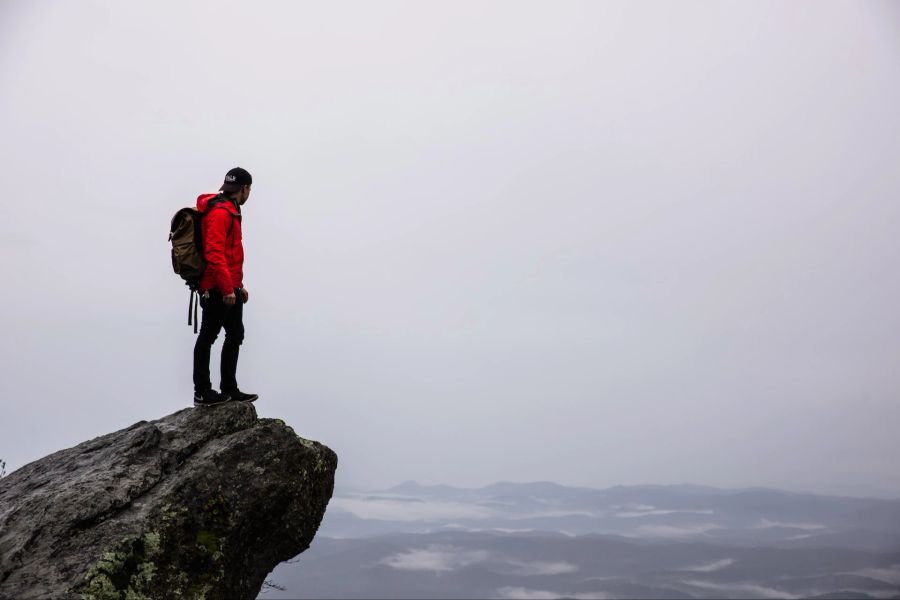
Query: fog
593,243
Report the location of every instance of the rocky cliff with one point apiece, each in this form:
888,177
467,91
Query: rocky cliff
203,503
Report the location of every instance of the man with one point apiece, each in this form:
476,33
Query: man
222,292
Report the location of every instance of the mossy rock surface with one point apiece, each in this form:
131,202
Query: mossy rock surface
203,503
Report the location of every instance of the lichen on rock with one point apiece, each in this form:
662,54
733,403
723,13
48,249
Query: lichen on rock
122,572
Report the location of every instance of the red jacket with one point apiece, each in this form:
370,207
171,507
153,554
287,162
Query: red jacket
222,246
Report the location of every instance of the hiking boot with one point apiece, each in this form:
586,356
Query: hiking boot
240,396
210,398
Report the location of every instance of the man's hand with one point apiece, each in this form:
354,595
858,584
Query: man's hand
229,299
245,295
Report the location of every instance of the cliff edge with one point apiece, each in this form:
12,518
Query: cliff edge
203,503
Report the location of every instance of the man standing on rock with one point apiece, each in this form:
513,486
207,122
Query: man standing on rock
222,292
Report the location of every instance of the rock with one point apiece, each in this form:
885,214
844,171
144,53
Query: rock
203,503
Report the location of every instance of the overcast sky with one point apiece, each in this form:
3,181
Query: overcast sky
596,243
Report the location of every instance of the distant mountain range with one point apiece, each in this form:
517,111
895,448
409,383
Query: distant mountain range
545,540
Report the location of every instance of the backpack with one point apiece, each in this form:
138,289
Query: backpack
188,260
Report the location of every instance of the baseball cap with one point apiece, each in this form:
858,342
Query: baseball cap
235,178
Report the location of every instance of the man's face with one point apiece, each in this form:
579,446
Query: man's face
244,194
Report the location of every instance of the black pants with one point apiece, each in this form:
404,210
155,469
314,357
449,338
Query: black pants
216,315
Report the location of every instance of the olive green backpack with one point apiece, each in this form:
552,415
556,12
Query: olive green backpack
186,236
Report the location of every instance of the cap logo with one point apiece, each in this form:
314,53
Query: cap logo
230,178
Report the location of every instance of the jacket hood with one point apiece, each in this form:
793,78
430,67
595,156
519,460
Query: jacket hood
204,199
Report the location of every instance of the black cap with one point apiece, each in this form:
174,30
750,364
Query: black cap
235,178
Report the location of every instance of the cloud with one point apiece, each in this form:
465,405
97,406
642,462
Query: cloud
767,524
560,513
439,557
671,531
716,565
741,590
435,558
386,507
526,594
520,593
458,527
541,568
890,575
659,511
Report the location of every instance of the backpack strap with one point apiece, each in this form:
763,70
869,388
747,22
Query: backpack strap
192,305
216,202
196,300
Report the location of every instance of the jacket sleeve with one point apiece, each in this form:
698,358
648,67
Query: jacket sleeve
215,232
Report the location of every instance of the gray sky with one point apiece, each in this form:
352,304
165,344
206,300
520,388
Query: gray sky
595,243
